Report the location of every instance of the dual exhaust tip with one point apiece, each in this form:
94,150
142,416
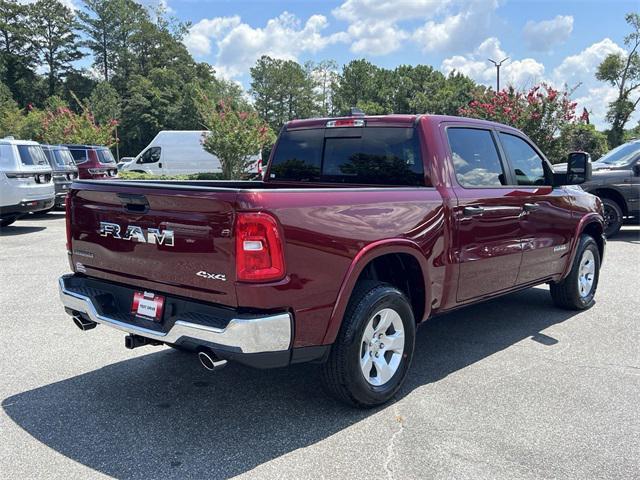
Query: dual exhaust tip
208,359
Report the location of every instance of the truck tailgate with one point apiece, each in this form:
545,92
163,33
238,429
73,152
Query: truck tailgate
198,263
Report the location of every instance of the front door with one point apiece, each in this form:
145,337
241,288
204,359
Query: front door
546,221
487,245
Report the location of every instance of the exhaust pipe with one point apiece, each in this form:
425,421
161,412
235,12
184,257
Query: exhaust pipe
210,361
83,324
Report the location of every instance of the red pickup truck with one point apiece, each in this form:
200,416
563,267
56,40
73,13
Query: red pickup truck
363,228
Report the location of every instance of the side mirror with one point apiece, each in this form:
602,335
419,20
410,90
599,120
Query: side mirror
578,170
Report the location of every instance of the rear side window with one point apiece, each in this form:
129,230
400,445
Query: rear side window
63,157
105,156
475,158
6,156
527,165
369,156
32,155
79,155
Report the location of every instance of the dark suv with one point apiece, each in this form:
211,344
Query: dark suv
94,162
64,170
616,180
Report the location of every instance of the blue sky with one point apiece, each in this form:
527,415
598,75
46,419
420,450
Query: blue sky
560,42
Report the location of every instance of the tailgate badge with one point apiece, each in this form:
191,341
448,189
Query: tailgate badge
135,233
212,276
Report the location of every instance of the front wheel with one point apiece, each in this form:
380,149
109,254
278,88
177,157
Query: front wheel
612,217
577,291
372,353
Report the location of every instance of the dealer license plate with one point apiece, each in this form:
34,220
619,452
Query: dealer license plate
147,305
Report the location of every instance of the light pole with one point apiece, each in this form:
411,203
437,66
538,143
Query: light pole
498,65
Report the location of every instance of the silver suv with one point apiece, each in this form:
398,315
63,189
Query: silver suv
25,180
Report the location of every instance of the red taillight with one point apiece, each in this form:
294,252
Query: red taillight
67,211
259,252
351,122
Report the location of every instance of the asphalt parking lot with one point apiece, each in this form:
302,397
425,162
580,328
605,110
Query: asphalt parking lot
512,388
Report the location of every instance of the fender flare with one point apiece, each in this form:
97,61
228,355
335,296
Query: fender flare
586,220
358,264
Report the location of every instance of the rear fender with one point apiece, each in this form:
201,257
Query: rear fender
359,263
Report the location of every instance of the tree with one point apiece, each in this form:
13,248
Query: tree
99,22
582,136
105,103
541,113
361,84
623,72
282,90
17,58
54,39
324,76
235,136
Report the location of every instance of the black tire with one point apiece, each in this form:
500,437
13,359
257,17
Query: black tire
566,294
612,217
6,221
341,374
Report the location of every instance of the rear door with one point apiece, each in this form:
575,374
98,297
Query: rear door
546,221
111,238
487,244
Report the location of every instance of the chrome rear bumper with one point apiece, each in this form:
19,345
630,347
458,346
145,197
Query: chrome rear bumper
269,333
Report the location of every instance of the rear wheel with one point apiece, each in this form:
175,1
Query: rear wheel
612,217
577,291
372,353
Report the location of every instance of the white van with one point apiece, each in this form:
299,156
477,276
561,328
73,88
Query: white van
174,152
25,180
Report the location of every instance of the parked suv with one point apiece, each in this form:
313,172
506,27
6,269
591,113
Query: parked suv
64,170
94,162
25,180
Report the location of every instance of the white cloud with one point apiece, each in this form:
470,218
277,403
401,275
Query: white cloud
544,35
198,40
387,10
239,45
518,73
375,37
459,30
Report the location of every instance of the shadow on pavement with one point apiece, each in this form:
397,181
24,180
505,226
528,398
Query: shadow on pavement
14,229
626,234
162,415
50,215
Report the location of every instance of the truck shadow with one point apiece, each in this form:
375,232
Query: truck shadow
629,234
162,415
14,229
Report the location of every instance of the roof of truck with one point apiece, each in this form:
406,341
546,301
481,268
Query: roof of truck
392,120
15,141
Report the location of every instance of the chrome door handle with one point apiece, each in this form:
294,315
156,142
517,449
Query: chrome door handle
468,211
530,207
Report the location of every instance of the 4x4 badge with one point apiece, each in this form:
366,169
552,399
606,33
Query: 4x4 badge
212,276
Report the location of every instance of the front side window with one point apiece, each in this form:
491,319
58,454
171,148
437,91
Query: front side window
621,156
151,155
366,155
475,158
32,155
79,155
527,164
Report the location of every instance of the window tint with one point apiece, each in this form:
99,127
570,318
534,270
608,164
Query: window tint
105,156
527,164
79,155
475,158
6,156
32,155
370,155
152,155
63,157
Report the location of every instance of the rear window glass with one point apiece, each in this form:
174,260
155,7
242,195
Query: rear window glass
370,155
105,156
32,155
63,157
79,155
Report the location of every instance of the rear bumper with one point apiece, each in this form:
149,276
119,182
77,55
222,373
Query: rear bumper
27,206
227,332
61,192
